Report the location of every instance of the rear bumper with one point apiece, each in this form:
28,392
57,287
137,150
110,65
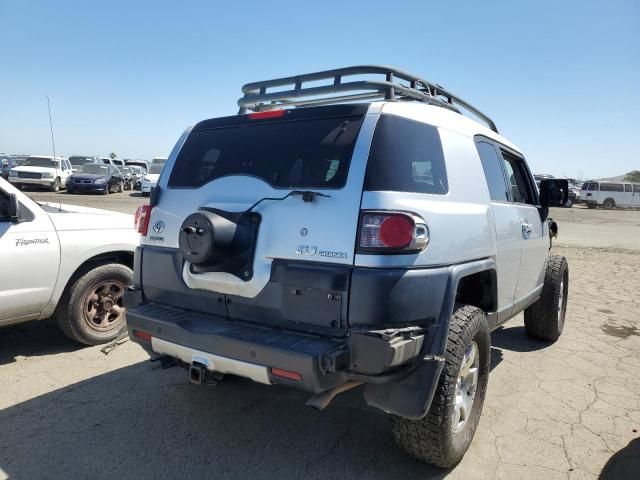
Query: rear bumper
391,325
251,351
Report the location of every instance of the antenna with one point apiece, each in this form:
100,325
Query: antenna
53,143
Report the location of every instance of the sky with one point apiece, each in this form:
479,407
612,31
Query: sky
561,79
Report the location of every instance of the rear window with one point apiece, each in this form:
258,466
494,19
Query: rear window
405,156
309,153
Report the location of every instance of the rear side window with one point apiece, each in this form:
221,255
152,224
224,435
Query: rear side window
405,156
636,188
611,187
310,153
491,164
627,188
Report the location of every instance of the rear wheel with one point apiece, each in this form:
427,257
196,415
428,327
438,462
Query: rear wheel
91,311
545,318
608,204
443,436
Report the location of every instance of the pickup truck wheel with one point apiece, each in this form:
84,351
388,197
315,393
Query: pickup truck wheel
608,204
545,318
55,186
443,436
91,311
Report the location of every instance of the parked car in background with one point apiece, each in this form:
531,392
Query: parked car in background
609,195
67,262
103,179
7,162
150,180
41,171
137,163
127,176
77,160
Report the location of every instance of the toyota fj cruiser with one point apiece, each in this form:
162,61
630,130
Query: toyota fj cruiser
323,240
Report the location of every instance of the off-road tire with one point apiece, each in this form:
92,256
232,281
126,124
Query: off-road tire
55,186
431,439
70,312
545,319
608,203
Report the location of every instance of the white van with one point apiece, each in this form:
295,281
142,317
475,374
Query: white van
610,194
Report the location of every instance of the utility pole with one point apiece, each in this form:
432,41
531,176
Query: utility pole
53,143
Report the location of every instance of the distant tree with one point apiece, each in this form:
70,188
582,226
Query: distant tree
112,155
633,176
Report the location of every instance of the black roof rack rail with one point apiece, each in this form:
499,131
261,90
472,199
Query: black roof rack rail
257,97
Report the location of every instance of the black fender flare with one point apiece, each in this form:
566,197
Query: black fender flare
411,396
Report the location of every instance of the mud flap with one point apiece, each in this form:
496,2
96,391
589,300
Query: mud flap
410,397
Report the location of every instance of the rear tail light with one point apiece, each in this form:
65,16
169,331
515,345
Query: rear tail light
393,232
141,220
142,335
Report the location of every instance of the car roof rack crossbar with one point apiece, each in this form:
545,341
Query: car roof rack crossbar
259,96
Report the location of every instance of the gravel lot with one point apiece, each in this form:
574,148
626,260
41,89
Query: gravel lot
564,410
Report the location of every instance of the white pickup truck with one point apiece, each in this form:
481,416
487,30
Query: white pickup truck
68,262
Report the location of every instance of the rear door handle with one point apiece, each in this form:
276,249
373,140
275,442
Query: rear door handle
527,229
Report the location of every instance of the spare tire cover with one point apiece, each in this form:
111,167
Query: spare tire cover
196,238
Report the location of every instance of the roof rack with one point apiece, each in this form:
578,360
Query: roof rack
256,97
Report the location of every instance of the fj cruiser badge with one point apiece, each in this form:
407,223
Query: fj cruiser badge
158,227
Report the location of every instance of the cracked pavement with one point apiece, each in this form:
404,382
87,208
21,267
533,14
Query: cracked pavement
568,410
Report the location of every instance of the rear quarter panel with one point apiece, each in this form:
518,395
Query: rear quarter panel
461,226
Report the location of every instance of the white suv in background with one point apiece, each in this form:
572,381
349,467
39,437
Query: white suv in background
150,179
42,171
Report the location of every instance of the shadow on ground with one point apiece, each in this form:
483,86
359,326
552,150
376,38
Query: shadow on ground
516,339
142,422
33,339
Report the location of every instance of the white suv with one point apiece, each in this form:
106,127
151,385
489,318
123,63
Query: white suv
42,171
350,244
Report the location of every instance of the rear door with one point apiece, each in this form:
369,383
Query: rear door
533,231
636,195
265,162
507,224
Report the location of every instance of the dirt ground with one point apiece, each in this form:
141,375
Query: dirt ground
568,410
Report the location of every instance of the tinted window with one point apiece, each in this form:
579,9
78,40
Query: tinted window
593,186
41,162
636,188
611,187
493,171
93,168
627,188
406,156
312,153
518,179
76,160
4,206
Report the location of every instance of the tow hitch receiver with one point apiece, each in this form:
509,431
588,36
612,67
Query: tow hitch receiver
197,373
